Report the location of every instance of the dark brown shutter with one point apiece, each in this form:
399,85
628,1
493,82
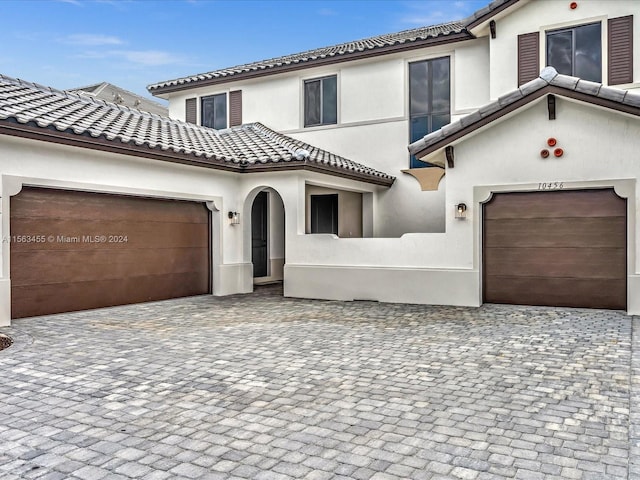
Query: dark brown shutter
191,110
528,57
620,50
235,108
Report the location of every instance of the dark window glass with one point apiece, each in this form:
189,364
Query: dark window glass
321,101
419,79
329,100
429,100
576,51
324,213
214,111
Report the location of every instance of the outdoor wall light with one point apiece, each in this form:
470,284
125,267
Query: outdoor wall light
461,211
234,218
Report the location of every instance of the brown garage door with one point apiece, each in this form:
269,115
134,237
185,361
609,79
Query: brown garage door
77,250
564,248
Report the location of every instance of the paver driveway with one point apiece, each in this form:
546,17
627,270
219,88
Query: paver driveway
262,387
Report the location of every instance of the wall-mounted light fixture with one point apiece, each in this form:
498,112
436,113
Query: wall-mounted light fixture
461,211
234,218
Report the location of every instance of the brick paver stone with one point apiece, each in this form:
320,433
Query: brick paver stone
264,387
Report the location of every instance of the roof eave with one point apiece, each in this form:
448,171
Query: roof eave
481,22
50,134
319,168
387,50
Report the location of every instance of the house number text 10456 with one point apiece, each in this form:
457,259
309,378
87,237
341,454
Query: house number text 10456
551,186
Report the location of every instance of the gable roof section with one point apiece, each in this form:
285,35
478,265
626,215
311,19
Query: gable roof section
549,82
113,93
379,45
42,113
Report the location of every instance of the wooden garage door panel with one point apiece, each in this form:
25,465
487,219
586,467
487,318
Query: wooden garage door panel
556,232
584,292
73,234
565,248
165,253
58,204
71,265
557,262
46,299
558,204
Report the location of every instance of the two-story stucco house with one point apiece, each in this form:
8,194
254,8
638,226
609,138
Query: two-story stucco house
494,159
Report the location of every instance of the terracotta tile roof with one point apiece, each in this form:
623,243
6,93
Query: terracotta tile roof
549,82
367,46
28,109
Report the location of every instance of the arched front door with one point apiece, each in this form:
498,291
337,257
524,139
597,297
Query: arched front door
260,235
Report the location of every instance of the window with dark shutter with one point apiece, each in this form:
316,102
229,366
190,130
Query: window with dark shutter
213,111
620,50
235,108
528,57
576,51
191,110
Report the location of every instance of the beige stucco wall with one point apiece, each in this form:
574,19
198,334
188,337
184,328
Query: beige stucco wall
373,126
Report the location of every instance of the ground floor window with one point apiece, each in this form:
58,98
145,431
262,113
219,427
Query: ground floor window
324,214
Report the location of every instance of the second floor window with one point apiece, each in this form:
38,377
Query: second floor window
429,99
214,111
321,101
576,51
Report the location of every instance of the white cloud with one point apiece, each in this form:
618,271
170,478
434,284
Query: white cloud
91,40
327,12
150,58
136,58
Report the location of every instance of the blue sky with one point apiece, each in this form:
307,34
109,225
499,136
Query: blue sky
132,43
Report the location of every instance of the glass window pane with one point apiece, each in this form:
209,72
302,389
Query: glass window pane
419,87
329,101
559,48
220,106
588,54
207,112
441,96
312,103
439,121
419,127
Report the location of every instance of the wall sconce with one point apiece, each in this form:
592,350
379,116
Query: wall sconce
461,211
234,218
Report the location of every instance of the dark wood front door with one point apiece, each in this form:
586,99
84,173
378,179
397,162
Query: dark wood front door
259,234
77,250
559,248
